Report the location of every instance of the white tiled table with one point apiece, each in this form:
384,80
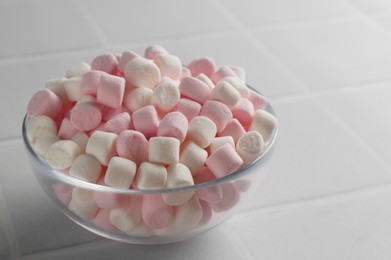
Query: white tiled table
326,66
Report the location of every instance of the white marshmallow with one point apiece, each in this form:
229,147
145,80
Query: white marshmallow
141,72
86,167
81,139
202,130
217,142
102,145
225,93
84,199
264,123
120,172
178,175
171,230
43,143
57,86
169,65
166,96
61,154
164,150
151,176
188,214
206,80
72,88
138,98
38,126
80,211
238,84
142,230
127,217
193,156
239,71
79,70
249,146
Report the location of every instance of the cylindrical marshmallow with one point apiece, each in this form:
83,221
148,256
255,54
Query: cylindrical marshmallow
165,96
152,51
217,142
81,139
231,197
202,130
218,112
105,62
264,123
81,211
194,89
188,108
151,176
102,146
111,90
61,154
126,218
169,65
72,88
188,214
211,194
86,168
57,86
249,146
259,101
90,82
44,102
178,175
66,130
142,230
203,65
164,150
118,123
156,213
206,80
110,200
224,161
120,173
238,84
243,111
225,93
133,145
141,72
79,70
193,156
38,126
233,128
125,58
173,124
102,220
146,121
43,143
206,213
86,116
222,72
138,98
84,198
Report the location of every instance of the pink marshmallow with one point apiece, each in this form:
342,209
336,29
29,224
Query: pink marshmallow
86,116
152,51
224,71
218,112
156,213
125,58
105,62
109,200
231,197
185,73
44,102
188,108
133,145
63,192
102,220
109,112
111,91
259,101
224,161
243,111
206,213
90,82
66,130
234,129
146,121
211,194
202,65
194,89
118,123
173,124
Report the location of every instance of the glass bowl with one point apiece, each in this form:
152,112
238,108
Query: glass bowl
212,203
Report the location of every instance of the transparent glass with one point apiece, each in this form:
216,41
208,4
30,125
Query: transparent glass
235,189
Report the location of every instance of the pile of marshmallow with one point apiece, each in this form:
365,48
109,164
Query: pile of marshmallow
129,121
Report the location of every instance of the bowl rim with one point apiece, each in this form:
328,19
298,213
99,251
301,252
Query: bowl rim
65,178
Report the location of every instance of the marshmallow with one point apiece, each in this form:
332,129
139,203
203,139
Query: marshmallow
44,102
102,220
174,124
43,143
178,175
118,123
188,108
40,125
72,87
206,80
63,192
156,213
152,51
66,130
202,130
188,214
243,111
61,154
138,98
231,197
211,194
120,173
194,89
102,146
225,93
125,58
141,72
224,71
185,73
86,115
81,139
165,96
133,145
105,62
164,150
86,168
224,161
194,157
146,121
249,146
259,101
84,199
111,90
264,123
79,70
126,218
218,112
203,65
217,142
206,213
142,230
239,71
109,112
238,84
169,65
110,200
81,211
151,176
90,82
57,86
233,129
